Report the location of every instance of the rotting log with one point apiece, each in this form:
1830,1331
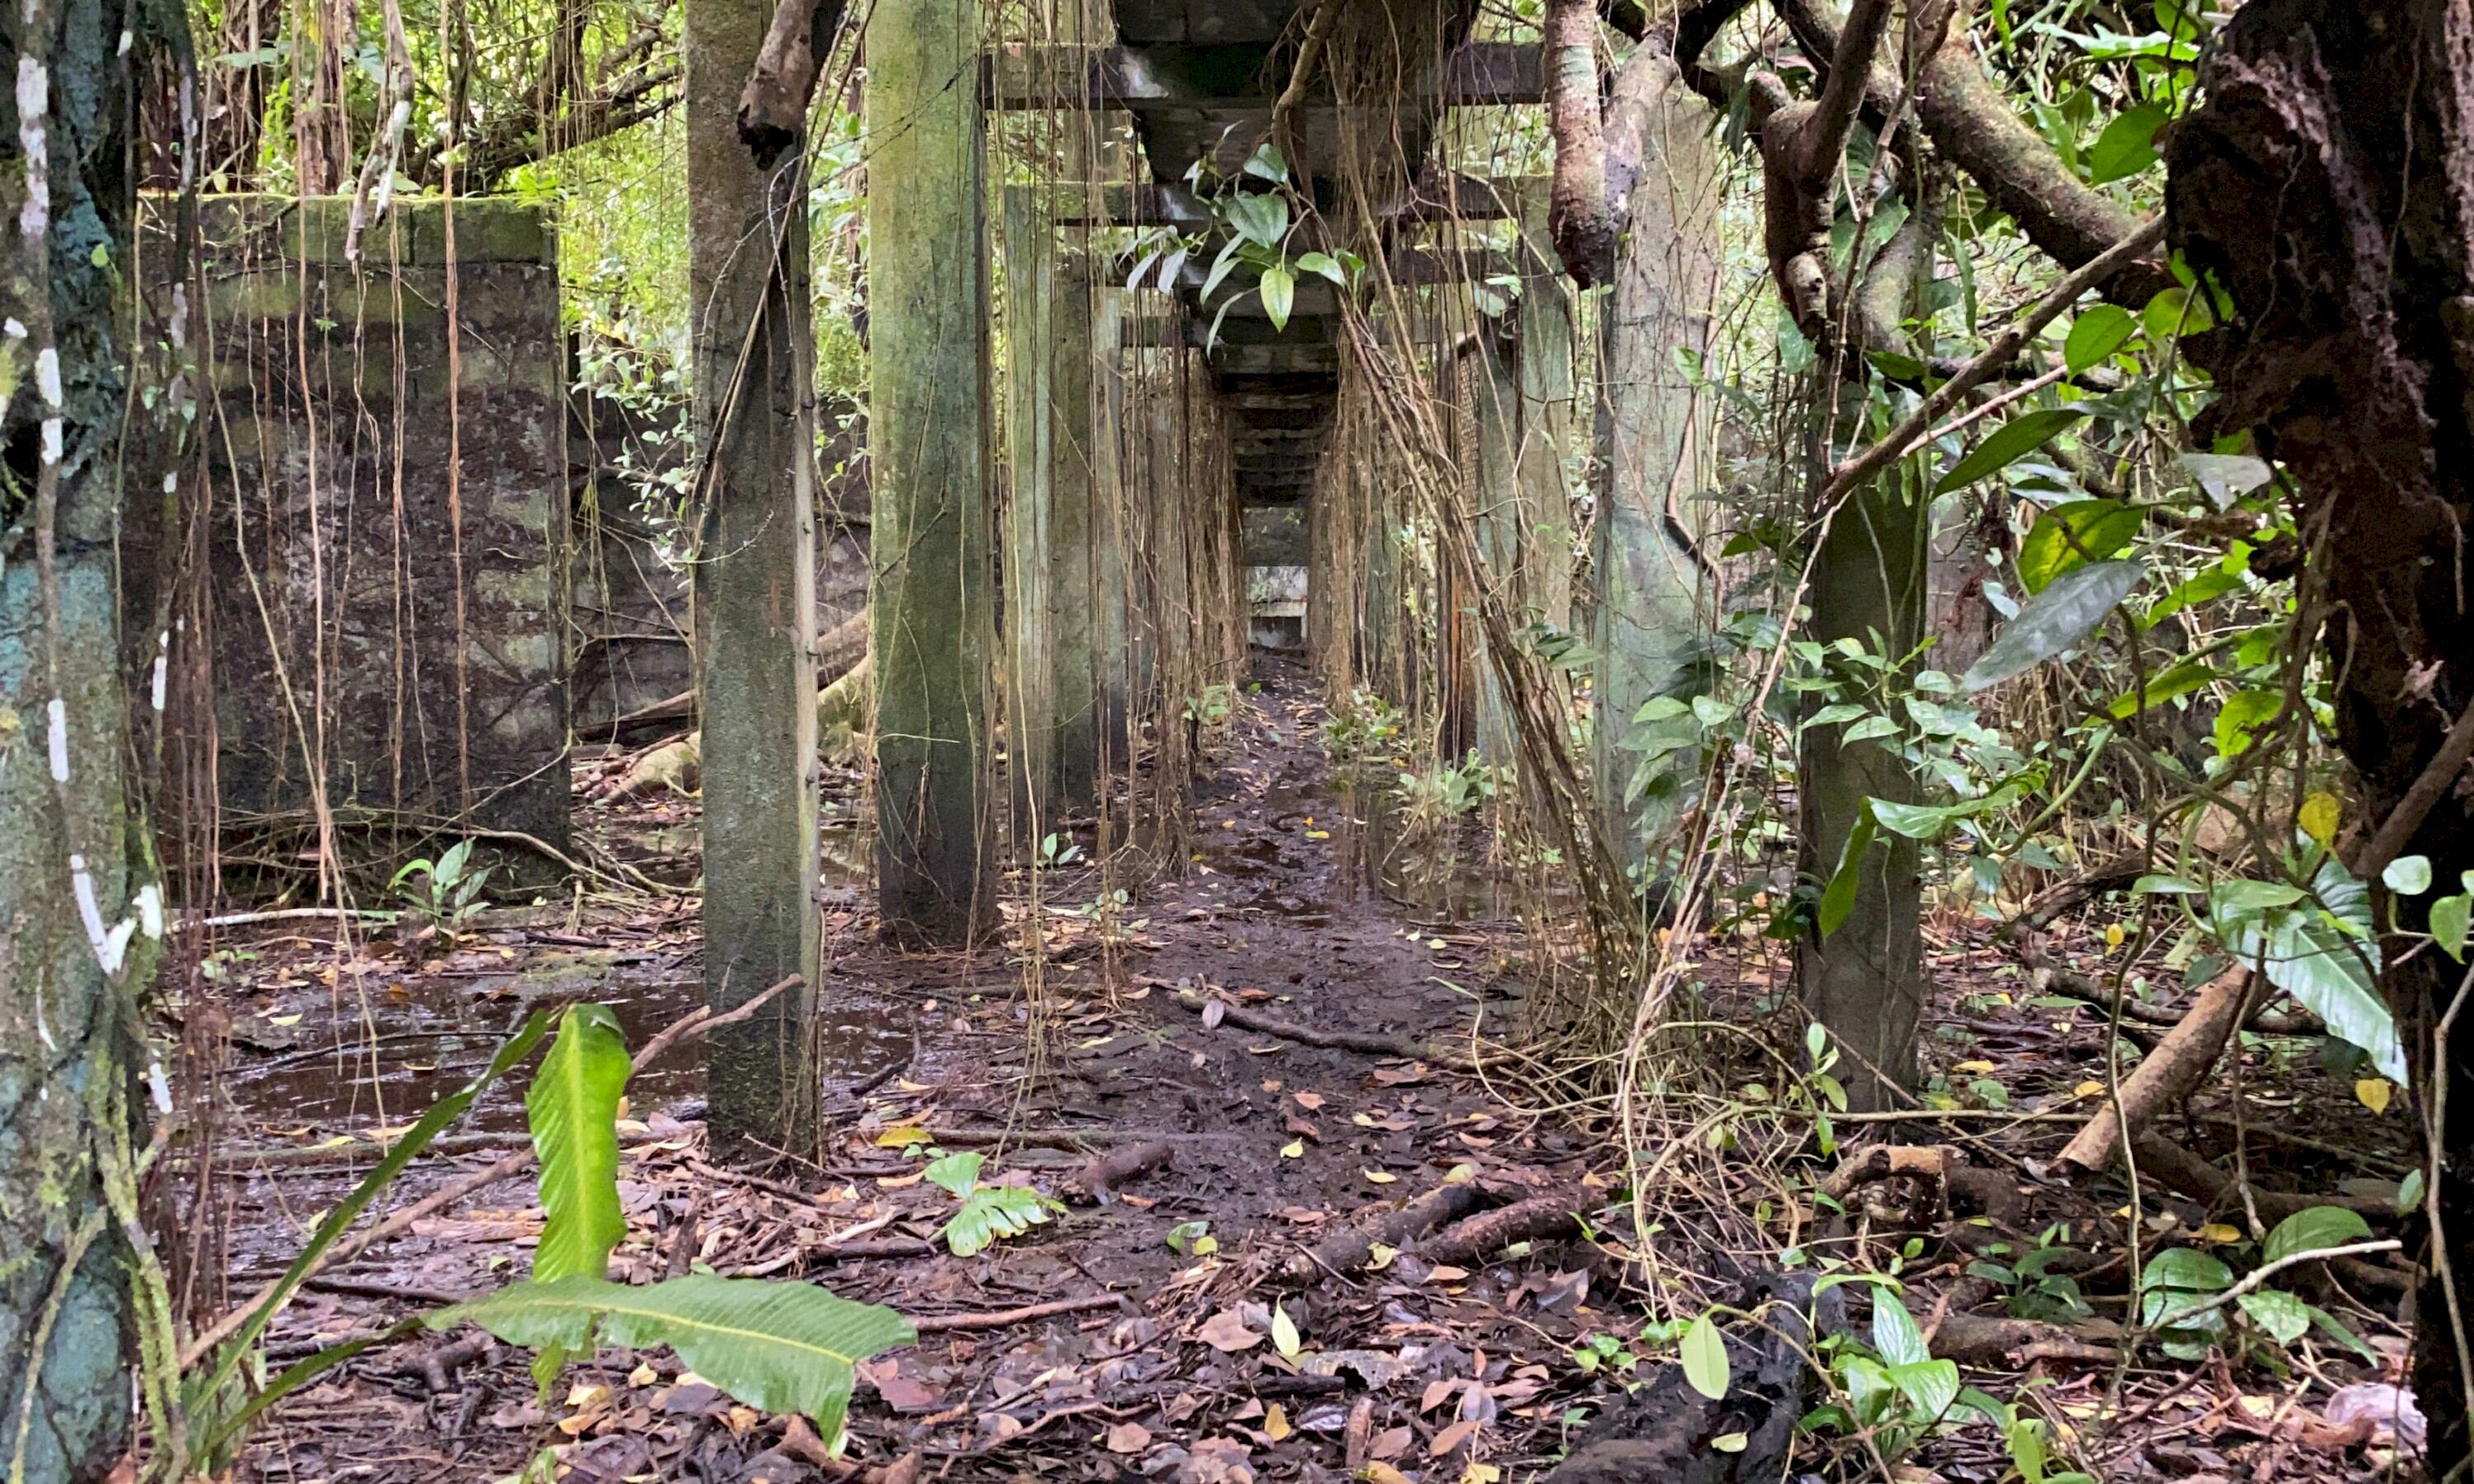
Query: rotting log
931,559
755,597
2167,1074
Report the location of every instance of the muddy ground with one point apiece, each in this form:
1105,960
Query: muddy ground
1104,1345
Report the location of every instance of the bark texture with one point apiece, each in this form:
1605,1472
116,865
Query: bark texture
64,1053
756,602
2327,185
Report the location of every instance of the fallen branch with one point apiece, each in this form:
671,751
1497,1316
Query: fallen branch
2107,876
1002,1319
1098,1178
1989,1343
1361,1041
2179,1169
2167,1074
1541,1218
1351,1248
696,1022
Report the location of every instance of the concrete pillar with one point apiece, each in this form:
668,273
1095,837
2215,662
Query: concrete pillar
1052,603
754,593
1656,440
1548,401
1496,493
928,445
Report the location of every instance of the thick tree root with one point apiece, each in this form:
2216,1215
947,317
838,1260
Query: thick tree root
2167,1074
1351,1247
1540,1218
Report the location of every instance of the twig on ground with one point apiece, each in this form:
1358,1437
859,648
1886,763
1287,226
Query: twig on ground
1368,1044
1002,1319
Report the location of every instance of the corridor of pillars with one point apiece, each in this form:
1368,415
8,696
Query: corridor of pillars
1181,317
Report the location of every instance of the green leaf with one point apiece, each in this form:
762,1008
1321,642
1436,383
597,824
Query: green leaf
1895,1335
1284,1335
2184,1270
2176,312
1833,714
2215,583
2074,535
1259,217
1279,293
2241,717
1705,1359
2053,620
2285,1317
2097,333
2165,886
2449,917
1930,1386
991,1213
2408,876
1916,820
446,1110
1268,163
778,1347
574,1108
956,1174
2179,680
1838,898
2313,1229
2013,441
2128,144
2320,962
1322,263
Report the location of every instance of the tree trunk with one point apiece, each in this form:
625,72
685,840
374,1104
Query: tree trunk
2328,186
68,957
928,440
1656,440
755,595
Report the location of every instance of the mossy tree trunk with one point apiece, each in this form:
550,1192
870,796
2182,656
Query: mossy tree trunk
72,949
928,442
754,593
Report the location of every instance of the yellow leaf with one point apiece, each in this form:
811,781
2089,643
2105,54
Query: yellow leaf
902,1135
2220,1232
2374,1093
2320,816
1978,1068
2114,935
1380,1473
1276,1423
1379,1177
1293,1149
1379,1257
1731,1441
1316,834
642,1376
1481,1473
2089,1089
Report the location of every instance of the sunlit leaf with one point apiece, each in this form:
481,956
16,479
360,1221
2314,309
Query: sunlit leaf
778,1347
1279,293
572,1107
2075,534
2097,333
2314,1230
2128,144
1704,1353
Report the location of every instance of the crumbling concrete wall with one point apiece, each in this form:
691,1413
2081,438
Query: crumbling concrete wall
389,548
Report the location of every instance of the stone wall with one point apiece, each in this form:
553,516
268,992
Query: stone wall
389,559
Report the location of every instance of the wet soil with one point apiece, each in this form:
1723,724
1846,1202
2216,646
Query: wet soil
1294,901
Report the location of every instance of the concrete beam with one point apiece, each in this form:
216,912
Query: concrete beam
1197,77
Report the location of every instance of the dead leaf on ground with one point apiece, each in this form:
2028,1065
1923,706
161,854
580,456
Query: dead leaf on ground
1129,1438
1225,1331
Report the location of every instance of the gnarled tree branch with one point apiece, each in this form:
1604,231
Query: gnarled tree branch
773,107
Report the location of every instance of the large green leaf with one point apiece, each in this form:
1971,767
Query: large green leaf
2072,535
2315,1229
2053,620
1895,1335
2013,441
2323,959
2097,333
446,1110
1705,1359
573,1108
779,1347
2128,144
2175,681
991,1213
1838,897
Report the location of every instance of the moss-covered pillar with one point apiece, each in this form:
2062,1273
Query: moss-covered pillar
1111,524
1052,603
933,586
1654,439
1496,493
754,593
1548,396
